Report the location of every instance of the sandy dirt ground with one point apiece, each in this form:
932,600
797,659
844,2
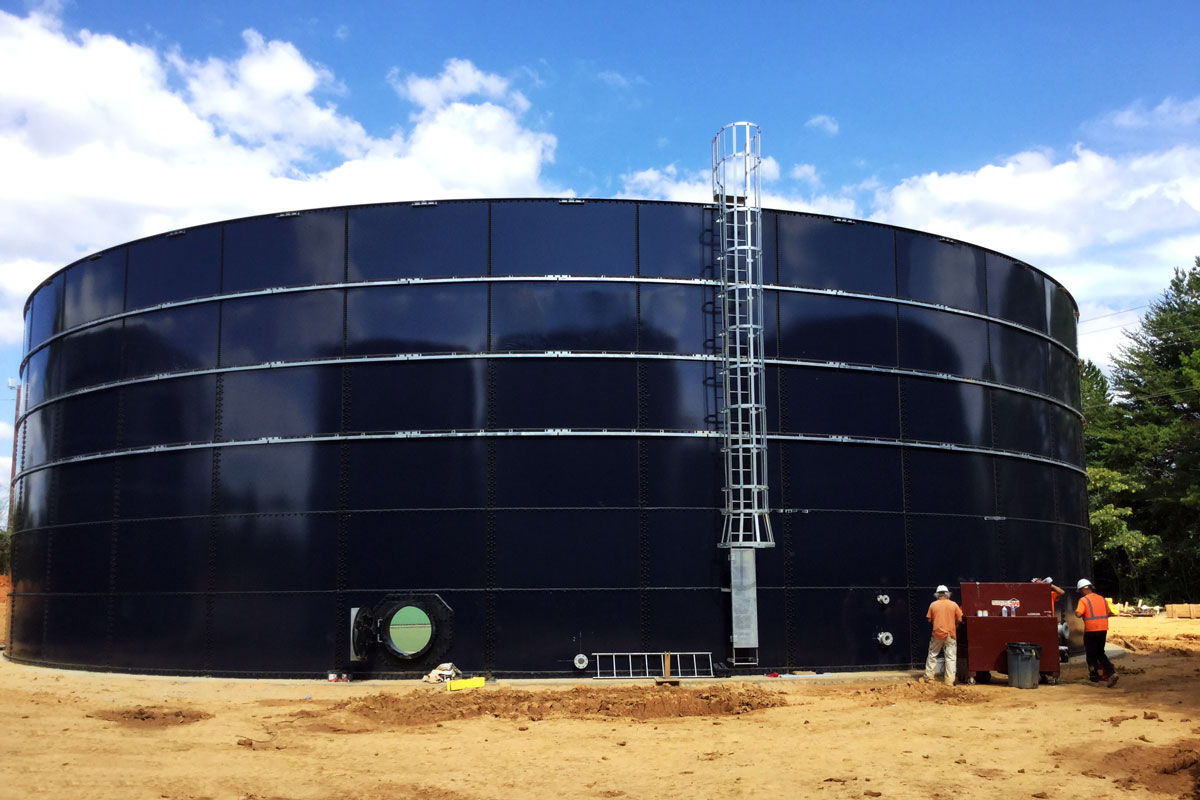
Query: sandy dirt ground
72,734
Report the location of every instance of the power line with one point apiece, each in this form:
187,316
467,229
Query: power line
1113,314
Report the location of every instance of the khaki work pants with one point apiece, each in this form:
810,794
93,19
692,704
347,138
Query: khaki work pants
947,646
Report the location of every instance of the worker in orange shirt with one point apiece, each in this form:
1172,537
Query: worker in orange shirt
946,616
1055,592
1093,610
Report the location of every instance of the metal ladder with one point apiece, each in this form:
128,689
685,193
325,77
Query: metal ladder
736,183
653,665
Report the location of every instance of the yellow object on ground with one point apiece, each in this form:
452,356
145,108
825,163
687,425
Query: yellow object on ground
464,683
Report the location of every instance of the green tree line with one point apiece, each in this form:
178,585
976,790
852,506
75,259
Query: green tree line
1142,442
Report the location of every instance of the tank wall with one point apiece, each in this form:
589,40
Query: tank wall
234,435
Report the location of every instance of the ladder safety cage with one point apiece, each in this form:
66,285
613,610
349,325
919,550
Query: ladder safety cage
737,189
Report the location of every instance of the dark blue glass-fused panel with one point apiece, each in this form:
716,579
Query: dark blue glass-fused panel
165,632
172,340
27,631
171,484
418,473
404,551
404,241
1062,314
550,549
27,319
296,640
75,631
826,549
87,423
301,401
825,328
1015,292
84,492
94,288
563,316
35,509
302,549
280,477
1018,358
45,318
439,318
566,472
692,617
830,615
545,237
163,555
676,319
937,271
169,268
40,377
852,477
946,411
562,393
603,620
678,395
169,412
1072,496
683,472
422,395
283,327
938,341
39,433
681,547
91,356
268,252
674,241
1066,436
952,550
1026,555
949,482
837,402
1022,423
28,560
1026,488
822,253
1063,376
83,555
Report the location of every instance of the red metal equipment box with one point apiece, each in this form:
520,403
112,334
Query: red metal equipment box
995,614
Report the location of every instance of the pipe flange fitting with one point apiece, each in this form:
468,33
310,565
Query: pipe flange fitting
885,638
882,599
581,661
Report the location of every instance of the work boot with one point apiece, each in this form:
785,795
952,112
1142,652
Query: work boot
1113,680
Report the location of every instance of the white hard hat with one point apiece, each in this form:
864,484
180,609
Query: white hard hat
1082,583
941,588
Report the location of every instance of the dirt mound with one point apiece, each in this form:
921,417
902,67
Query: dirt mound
926,692
581,702
152,716
1179,645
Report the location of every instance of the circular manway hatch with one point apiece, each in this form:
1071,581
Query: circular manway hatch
409,631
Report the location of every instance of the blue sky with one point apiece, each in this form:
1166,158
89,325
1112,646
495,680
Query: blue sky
1065,134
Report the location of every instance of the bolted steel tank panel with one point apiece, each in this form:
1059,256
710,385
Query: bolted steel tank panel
374,438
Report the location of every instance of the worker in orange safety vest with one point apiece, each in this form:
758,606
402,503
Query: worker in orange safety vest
1093,609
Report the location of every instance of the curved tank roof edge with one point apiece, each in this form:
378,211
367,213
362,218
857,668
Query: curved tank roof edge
89,256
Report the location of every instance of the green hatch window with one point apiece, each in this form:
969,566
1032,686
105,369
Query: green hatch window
410,630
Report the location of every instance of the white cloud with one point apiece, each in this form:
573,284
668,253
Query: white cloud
103,141
616,80
1170,114
806,173
824,123
459,80
342,33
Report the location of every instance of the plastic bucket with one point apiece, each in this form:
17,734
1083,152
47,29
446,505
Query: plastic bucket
1023,661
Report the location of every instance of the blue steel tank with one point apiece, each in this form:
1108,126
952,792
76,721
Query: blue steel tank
375,438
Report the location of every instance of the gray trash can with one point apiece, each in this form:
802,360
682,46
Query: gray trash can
1023,661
